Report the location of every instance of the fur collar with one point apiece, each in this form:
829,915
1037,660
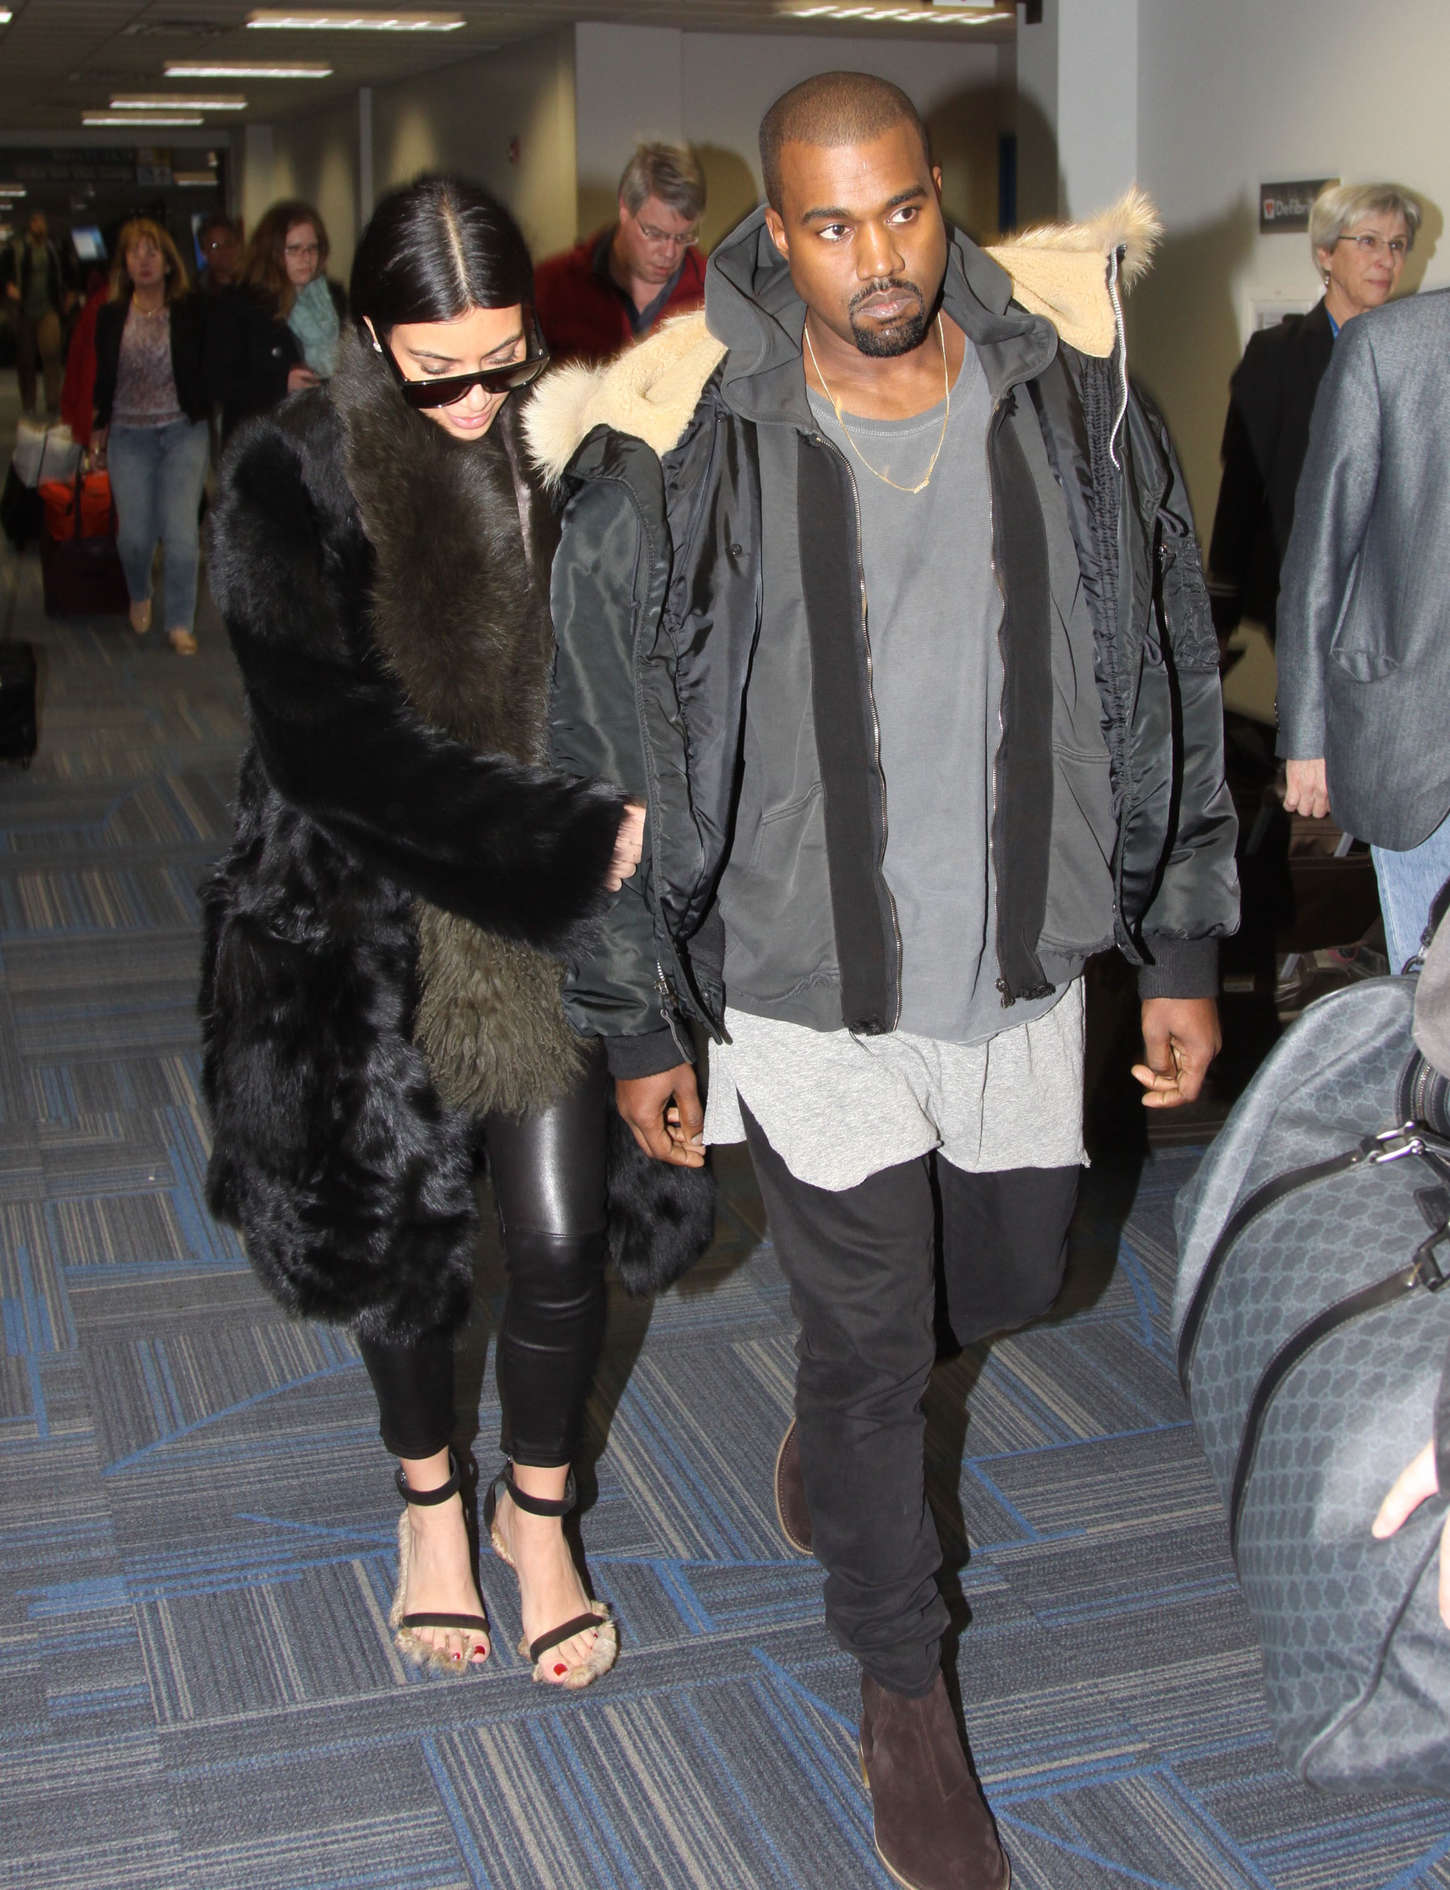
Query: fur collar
458,610
1061,271
461,540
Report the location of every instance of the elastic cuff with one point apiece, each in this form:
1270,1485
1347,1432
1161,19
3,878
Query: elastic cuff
1180,968
646,1055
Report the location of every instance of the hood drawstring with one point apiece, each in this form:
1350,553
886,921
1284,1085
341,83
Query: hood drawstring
1115,264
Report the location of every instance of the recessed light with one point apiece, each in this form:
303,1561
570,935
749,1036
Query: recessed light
357,22
245,69
149,102
141,118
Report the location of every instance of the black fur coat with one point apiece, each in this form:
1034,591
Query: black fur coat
383,938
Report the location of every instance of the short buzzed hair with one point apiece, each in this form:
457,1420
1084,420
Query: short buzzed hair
667,172
834,108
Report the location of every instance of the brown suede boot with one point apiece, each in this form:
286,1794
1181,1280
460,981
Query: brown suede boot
933,1828
790,1493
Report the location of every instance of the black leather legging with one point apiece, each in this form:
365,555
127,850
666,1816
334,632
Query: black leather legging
547,1170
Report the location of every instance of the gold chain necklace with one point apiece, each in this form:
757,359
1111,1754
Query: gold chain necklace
875,472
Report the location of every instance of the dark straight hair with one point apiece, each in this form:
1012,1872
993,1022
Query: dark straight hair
434,249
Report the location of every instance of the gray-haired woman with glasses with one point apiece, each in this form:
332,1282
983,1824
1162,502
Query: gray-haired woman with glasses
1359,237
385,936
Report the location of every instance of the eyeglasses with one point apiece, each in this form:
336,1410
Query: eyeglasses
1371,245
442,392
302,249
652,235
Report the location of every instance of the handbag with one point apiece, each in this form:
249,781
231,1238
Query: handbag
81,574
1313,1332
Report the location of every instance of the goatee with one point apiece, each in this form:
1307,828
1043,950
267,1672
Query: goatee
900,338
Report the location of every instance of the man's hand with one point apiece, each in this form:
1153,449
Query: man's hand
1306,788
664,1114
1181,1038
1410,1488
628,845
300,377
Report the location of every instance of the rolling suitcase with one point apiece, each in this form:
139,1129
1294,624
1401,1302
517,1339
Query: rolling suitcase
80,567
17,702
1313,1335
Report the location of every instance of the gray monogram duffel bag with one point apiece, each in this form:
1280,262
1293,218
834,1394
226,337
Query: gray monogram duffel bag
1314,1242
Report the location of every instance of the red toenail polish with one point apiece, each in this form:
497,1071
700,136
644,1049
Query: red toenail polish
559,1668
481,1649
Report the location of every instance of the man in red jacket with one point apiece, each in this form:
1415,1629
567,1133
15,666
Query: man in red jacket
613,287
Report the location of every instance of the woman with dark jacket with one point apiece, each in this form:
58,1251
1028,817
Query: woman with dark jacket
151,422
381,986
1359,236
277,331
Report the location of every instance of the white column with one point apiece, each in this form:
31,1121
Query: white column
258,154
628,88
366,190
1077,107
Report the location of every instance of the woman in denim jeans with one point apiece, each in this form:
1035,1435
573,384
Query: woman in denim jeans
151,421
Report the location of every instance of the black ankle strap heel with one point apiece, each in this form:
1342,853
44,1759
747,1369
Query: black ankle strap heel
606,1638
404,1626
425,1499
535,1505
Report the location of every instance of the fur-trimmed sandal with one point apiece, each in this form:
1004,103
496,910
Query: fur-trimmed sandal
605,1651
405,1626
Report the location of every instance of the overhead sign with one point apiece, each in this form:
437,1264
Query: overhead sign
1285,207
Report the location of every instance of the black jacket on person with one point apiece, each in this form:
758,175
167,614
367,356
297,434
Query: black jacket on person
188,323
658,588
17,261
1265,436
382,937
251,351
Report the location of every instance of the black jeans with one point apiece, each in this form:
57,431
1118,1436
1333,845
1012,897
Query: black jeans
861,1269
548,1183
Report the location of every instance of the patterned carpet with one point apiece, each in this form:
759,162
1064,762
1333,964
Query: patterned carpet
197,1688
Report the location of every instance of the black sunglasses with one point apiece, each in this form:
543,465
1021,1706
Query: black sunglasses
450,387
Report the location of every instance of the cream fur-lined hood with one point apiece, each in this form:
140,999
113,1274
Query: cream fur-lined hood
1068,273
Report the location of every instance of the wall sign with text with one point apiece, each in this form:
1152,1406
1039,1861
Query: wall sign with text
1285,207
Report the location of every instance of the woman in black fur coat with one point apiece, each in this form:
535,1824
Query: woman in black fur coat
384,937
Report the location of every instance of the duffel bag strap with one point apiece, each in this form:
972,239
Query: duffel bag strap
1407,1138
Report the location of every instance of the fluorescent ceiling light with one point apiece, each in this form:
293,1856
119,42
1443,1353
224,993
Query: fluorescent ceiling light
12,190
906,16
6,16
150,102
193,177
137,118
245,69
358,22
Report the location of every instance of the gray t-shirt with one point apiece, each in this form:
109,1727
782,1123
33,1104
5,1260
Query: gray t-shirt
933,617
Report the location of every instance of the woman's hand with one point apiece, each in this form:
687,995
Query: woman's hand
98,446
300,377
1410,1488
628,846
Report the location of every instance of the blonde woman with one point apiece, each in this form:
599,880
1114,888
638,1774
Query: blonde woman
151,422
